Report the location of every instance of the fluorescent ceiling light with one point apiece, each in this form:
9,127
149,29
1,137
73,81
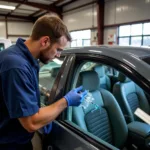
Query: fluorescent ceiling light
7,7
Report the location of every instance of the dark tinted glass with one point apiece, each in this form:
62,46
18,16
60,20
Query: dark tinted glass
2,46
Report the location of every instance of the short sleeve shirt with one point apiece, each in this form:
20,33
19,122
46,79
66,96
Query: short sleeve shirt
19,92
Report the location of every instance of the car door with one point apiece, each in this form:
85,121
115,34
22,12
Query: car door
65,134
47,77
68,136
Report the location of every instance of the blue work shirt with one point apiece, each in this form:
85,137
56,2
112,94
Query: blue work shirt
19,92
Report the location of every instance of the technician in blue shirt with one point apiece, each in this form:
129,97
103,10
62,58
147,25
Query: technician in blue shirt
20,112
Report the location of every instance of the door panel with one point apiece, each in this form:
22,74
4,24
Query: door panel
62,138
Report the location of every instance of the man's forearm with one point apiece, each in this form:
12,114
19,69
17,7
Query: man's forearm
44,116
49,113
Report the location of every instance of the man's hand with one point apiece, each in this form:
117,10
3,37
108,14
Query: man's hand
47,114
75,96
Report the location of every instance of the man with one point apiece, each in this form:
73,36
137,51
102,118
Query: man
20,112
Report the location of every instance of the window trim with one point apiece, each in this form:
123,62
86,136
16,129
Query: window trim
76,59
121,66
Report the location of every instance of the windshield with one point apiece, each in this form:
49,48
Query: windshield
48,72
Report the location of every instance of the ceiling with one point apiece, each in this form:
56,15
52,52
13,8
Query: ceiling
32,9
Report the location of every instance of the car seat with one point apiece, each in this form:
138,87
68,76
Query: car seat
107,122
130,96
105,82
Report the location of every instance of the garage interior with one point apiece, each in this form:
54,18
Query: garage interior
90,23
113,22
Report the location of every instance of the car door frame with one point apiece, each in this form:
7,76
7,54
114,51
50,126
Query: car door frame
58,125
64,87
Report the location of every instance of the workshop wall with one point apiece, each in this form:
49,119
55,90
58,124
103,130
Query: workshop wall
82,18
124,11
12,29
116,12
2,29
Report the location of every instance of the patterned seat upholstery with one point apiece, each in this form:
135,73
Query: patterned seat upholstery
104,121
105,82
130,97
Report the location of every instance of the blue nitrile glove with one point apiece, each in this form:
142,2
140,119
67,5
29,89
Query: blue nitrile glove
46,129
75,96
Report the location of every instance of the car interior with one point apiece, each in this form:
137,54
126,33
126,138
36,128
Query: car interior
130,97
117,98
101,122
114,121
105,82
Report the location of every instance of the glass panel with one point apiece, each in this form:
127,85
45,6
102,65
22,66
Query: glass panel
84,119
136,29
78,36
124,30
74,43
79,43
146,40
85,114
86,42
47,75
48,72
88,66
86,34
136,41
124,41
146,29
2,47
74,35
108,71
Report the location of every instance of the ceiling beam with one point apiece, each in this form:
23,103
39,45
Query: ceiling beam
26,9
19,17
94,1
55,3
13,10
59,1
36,12
69,3
50,7
44,13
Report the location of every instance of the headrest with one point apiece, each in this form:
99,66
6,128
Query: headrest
89,80
100,70
122,78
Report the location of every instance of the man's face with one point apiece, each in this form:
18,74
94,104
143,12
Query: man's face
52,51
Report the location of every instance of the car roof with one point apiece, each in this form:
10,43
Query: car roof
132,56
122,50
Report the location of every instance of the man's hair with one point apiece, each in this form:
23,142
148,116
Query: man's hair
52,26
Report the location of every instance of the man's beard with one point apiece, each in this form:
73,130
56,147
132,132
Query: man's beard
44,61
43,57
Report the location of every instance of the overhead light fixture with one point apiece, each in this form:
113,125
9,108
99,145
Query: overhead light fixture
7,7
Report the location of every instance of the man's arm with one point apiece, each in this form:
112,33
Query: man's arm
44,116
21,100
47,114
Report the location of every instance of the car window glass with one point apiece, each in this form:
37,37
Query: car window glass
87,66
47,75
80,119
108,92
2,46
